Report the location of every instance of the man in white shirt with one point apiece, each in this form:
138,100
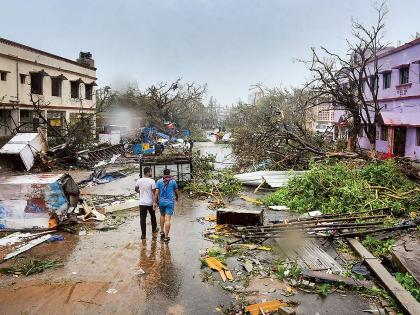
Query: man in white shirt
146,186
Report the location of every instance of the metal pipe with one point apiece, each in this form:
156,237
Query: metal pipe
314,221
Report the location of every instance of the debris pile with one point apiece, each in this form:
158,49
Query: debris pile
38,201
326,226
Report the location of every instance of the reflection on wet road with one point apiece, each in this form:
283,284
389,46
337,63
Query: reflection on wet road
172,280
161,275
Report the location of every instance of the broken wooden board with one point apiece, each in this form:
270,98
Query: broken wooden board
269,306
211,218
337,279
222,275
251,200
27,246
19,237
229,275
406,255
309,255
129,204
215,264
244,217
407,301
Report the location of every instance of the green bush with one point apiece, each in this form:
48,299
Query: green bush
379,248
408,282
345,187
206,178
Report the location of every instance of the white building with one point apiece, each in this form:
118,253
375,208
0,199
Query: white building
62,88
324,120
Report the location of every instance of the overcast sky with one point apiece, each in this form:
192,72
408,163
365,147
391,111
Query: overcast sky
228,44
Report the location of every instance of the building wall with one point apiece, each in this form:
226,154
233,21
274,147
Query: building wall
409,55
398,98
17,59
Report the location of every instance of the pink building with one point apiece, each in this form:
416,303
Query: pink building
398,130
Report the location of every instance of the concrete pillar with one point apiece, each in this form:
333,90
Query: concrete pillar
67,115
14,118
390,140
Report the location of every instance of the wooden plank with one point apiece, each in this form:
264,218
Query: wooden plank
222,274
129,204
229,275
27,246
337,278
242,217
407,301
269,306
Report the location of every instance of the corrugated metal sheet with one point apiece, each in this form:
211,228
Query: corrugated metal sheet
28,201
274,179
24,145
25,138
309,255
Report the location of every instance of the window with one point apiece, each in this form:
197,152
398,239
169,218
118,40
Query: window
55,86
22,78
74,89
24,113
387,80
418,136
374,79
3,76
36,83
404,75
88,91
384,133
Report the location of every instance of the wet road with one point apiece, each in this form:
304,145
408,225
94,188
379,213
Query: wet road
111,261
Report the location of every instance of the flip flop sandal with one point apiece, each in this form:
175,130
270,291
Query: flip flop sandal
167,239
162,235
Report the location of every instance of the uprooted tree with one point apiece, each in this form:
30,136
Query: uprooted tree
349,83
277,129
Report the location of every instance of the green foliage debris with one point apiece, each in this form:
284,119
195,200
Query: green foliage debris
210,182
379,248
339,187
288,270
31,266
324,290
409,283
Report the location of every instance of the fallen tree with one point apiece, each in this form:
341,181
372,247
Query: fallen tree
348,186
277,130
219,185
